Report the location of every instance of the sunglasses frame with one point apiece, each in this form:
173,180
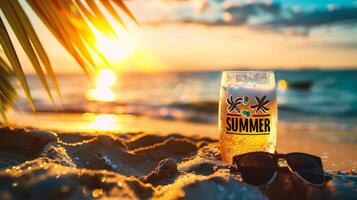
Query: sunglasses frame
276,158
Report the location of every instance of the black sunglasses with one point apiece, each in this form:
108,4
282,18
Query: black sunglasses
261,168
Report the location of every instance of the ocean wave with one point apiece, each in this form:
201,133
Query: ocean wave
207,112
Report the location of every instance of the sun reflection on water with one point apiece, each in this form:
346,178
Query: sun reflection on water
103,91
102,122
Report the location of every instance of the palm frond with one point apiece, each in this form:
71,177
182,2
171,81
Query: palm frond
7,92
37,44
18,26
11,55
70,21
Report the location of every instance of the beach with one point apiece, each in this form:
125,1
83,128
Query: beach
44,165
180,99
164,143
336,148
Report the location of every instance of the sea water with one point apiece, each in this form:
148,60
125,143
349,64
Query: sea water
328,105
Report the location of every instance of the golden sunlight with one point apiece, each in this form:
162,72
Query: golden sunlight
282,85
103,122
127,52
111,48
115,49
103,91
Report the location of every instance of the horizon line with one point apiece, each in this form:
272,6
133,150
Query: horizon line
348,68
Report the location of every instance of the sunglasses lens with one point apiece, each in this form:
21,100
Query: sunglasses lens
307,167
257,168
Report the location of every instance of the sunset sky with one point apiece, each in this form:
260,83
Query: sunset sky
181,35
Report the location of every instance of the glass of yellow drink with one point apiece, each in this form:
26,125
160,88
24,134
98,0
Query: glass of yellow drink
247,113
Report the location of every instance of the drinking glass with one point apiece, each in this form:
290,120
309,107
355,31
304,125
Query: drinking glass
247,113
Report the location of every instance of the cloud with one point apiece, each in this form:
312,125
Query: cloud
339,45
316,18
244,13
260,14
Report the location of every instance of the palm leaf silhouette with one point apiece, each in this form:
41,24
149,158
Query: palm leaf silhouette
70,22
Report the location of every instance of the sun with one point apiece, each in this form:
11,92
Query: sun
128,51
111,48
115,48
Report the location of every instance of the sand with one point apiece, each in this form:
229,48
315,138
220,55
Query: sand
48,165
337,148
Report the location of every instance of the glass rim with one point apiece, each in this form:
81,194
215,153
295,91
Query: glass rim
247,71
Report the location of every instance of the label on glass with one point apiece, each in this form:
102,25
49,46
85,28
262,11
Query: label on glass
247,113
